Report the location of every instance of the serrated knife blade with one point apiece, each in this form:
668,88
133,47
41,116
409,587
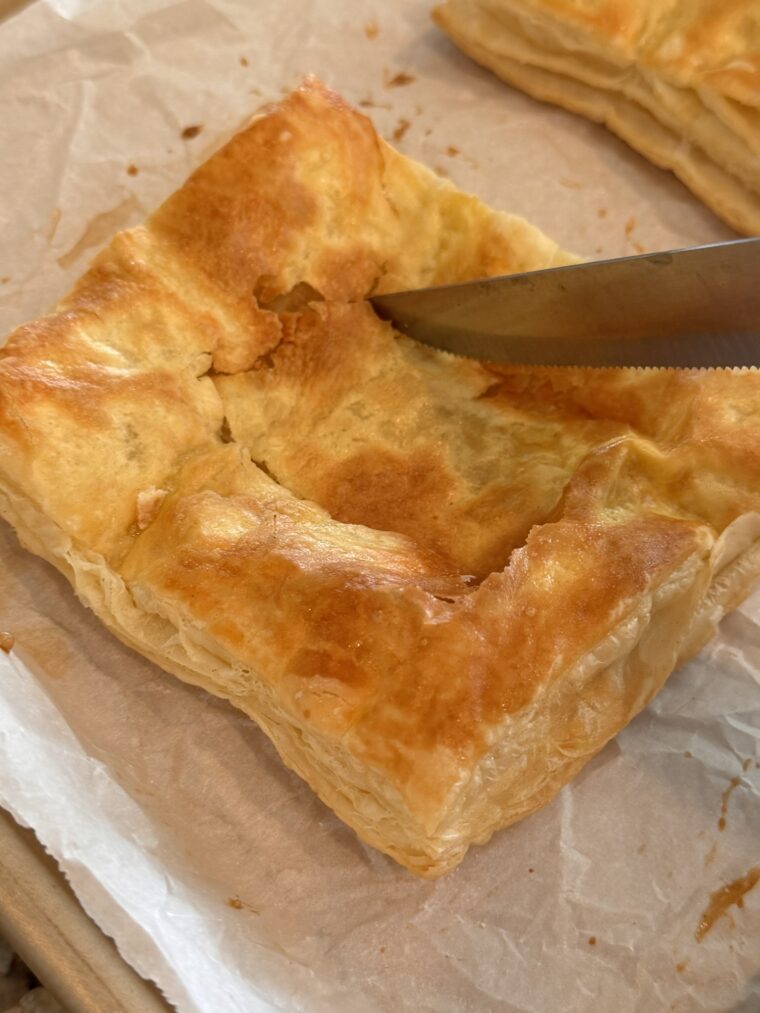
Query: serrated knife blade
695,307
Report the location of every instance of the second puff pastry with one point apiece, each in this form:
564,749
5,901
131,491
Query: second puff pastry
678,80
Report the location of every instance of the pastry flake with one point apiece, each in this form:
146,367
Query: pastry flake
678,81
439,586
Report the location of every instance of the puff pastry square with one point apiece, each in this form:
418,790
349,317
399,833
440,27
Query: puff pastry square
438,586
679,80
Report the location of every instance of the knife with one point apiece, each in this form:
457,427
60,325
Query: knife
686,308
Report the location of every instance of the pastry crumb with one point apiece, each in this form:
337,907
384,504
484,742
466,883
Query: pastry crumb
7,640
243,61
190,132
401,128
592,940
148,503
733,784
630,225
240,905
725,897
688,755
372,29
601,212
681,966
132,170
399,80
452,151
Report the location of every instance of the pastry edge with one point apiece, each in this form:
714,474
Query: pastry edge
721,583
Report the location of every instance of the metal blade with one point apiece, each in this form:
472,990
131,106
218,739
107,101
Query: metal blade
685,308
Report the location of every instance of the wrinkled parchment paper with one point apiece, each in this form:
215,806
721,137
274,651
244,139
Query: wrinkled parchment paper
216,870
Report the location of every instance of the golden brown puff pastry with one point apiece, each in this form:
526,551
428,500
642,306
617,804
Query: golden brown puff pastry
438,586
679,80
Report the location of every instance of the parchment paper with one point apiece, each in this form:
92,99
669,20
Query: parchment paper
216,870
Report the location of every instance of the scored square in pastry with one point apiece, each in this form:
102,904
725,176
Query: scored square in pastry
679,80
438,586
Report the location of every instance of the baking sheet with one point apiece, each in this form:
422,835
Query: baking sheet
216,870
45,925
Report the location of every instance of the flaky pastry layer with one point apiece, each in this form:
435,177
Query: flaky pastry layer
678,82
439,586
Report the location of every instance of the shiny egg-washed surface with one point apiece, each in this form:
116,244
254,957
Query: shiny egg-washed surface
439,586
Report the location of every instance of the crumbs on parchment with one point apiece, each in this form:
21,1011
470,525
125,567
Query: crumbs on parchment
192,131
240,905
401,128
630,225
399,80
